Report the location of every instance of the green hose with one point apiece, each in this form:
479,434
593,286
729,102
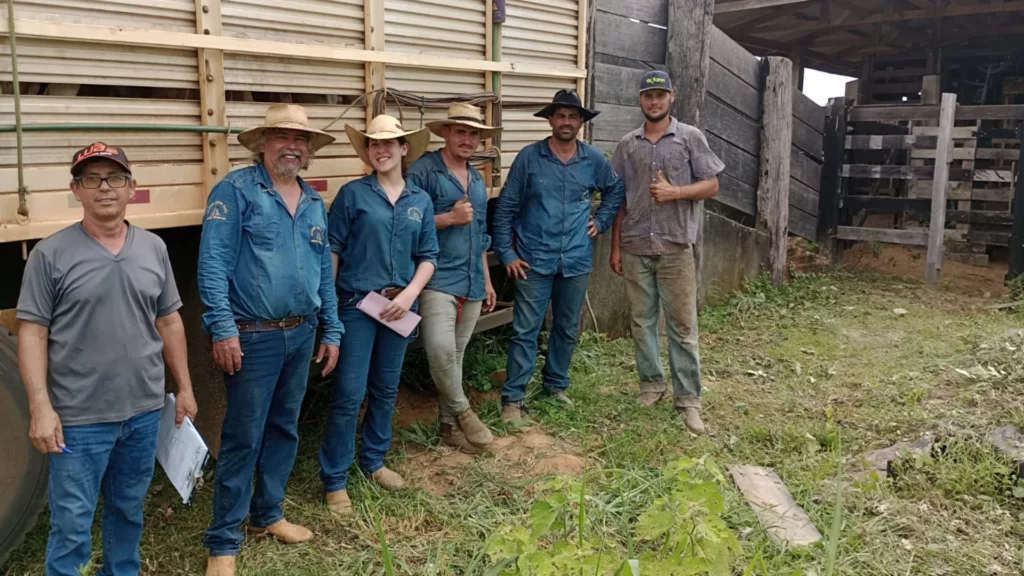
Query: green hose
109,127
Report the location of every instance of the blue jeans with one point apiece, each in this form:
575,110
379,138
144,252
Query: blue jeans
369,365
566,296
115,459
260,433
668,283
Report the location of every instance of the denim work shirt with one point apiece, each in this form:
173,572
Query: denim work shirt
258,262
547,204
684,157
379,245
460,266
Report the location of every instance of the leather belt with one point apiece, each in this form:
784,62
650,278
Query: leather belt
271,325
390,293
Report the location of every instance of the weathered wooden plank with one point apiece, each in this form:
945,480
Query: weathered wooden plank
830,189
803,197
735,92
776,148
628,62
807,110
739,164
942,159
621,36
802,224
732,126
736,194
890,142
989,175
997,154
959,132
957,154
805,169
616,85
879,171
735,58
889,236
653,11
807,139
917,112
1012,112
779,514
616,121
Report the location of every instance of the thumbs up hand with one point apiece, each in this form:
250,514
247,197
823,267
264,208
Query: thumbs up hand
462,212
662,190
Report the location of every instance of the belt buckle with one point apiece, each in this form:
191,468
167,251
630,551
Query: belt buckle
290,323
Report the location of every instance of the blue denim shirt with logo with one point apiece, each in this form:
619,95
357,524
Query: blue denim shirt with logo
460,265
258,262
547,204
379,245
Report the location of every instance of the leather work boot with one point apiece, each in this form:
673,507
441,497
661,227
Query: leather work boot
285,532
512,413
220,566
648,399
452,435
339,502
475,430
691,417
564,400
388,479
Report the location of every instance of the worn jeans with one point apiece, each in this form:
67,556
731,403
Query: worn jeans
566,296
115,459
445,342
260,433
665,282
370,364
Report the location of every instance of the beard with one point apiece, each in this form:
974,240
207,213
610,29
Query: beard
564,138
656,118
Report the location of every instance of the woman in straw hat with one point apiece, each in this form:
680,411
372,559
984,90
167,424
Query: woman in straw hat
382,235
461,288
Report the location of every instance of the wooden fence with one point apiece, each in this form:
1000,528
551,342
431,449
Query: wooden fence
629,39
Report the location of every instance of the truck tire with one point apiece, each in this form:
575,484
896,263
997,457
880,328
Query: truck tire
24,471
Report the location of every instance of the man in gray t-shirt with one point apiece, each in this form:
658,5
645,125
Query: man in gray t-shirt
668,169
98,318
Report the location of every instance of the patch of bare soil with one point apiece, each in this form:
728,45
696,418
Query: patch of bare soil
532,453
909,262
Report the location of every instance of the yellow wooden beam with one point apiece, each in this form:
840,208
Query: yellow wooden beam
373,11
211,96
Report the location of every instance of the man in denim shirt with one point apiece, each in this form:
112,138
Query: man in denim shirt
266,278
546,202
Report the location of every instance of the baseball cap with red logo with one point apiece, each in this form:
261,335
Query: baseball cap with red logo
99,151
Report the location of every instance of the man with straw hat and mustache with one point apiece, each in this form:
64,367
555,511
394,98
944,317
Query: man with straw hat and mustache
383,240
266,278
547,201
461,288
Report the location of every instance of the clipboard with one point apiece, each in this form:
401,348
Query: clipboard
181,452
373,304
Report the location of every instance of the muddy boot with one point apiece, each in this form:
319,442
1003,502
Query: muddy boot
563,399
388,479
691,417
512,413
474,430
452,435
285,532
220,566
339,503
648,399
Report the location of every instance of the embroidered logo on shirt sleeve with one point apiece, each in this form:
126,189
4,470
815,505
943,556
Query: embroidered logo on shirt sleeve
415,213
217,211
316,235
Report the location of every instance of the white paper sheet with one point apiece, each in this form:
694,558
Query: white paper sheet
181,452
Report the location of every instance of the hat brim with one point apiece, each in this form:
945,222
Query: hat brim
662,88
549,110
250,138
485,131
418,141
76,168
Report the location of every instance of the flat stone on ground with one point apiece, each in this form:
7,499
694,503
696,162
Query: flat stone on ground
1010,441
880,460
784,519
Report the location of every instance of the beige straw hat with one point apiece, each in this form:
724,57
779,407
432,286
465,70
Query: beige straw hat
385,127
288,117
467,115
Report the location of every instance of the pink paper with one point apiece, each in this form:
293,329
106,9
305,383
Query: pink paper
375,303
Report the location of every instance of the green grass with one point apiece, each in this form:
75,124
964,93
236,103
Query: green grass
804,378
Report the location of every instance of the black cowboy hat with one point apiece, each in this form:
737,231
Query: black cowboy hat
567,99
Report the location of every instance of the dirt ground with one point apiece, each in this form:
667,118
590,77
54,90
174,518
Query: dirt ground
909,262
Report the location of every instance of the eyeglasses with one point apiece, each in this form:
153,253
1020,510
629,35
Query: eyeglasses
114,181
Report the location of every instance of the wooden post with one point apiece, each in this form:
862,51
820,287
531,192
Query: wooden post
797,56
867,80
943,156
1017,239
211,97
776,149
373,30
688,57
831,188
